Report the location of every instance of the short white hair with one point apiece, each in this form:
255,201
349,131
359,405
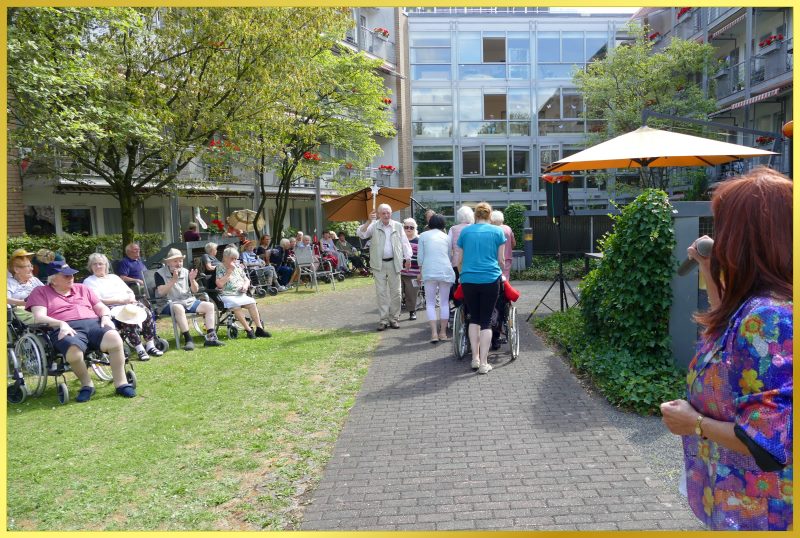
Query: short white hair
411,222
497,217
381,206
230,252
97,257
465,215
209,247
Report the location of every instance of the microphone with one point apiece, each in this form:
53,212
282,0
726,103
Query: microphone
703,247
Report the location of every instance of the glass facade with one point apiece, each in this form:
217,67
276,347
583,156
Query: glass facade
493,103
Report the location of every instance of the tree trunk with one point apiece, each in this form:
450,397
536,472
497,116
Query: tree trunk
127,205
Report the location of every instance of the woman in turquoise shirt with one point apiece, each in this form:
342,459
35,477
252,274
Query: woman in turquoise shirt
482,248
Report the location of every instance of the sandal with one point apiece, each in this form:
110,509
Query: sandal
84,394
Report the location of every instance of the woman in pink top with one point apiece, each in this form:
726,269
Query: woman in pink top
497,220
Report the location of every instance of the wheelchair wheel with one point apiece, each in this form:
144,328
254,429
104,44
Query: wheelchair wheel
460,338
272,290
63,393
161,344
100,365
130,375
513,331
340,277
233,332
16,393
32,359
259,293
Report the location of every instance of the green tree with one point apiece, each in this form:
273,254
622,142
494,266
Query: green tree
339,104
631,77
132,96
514,216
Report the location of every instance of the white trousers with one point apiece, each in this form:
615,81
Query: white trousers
387,288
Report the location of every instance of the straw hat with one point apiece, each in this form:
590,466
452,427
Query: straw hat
129,313
21,253
173,254
45,256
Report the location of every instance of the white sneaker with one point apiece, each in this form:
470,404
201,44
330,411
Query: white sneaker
475,364
281,288
485,368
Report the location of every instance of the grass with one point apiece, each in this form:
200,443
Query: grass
546,268
217,439
304,291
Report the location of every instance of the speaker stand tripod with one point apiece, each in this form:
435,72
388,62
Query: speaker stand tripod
563,285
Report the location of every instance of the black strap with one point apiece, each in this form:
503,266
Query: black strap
765,461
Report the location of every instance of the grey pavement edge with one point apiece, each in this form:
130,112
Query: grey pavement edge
430,445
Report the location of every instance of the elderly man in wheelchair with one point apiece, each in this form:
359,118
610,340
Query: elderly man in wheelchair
79,322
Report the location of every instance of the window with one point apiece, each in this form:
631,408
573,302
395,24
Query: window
469,47
470,104
431,96
470,161
596,46
432,130
496,158
573,103
572,47
112,220
433,168
494,49
520,161
548,47
40,220
152,220
560,111
519,49
432,113
430,55
77,221
429,39
549,100
494,106
430,72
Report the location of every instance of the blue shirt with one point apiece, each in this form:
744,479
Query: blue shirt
480,242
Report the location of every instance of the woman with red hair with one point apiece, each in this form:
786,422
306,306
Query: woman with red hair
736,421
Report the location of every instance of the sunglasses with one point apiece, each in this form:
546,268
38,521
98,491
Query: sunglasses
408,227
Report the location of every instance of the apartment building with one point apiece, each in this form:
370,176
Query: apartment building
493,103
753,88
76,202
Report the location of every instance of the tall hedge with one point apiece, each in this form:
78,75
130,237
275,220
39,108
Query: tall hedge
514,216
76,248
627,298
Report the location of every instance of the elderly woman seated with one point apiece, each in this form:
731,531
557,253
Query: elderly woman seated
259,268
114,292
233,283
21,283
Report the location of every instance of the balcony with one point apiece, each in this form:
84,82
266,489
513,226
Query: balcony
365,39
771,62
730,80
688,24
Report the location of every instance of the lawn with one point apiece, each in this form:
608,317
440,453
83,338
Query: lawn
218,439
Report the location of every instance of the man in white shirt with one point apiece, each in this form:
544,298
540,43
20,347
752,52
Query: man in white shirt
389,252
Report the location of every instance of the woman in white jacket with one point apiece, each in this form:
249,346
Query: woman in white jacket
436,272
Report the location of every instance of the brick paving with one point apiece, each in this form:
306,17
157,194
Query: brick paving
430,445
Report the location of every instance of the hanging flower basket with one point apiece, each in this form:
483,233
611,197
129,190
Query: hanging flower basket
683,11
219,224
769,44
381,32
386,169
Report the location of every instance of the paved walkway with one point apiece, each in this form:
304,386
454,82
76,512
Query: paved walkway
430,445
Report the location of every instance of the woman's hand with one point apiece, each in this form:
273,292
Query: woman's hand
679,417
65,330
692,253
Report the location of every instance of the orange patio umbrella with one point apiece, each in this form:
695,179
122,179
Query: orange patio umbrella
358,205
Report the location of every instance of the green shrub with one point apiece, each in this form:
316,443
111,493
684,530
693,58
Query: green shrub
635,382
76,248
349,228
627,298
514,217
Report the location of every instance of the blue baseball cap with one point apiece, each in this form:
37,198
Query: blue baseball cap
60,266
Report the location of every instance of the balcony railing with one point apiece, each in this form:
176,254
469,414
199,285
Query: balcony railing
366,40
688,24
771,61
730,80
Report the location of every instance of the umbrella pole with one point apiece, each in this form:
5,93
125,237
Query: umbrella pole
563,285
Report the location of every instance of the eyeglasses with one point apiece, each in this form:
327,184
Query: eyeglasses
408,227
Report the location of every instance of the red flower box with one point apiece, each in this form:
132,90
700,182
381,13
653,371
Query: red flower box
549,178
387,168
309,156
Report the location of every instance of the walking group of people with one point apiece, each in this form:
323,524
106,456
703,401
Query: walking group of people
476,253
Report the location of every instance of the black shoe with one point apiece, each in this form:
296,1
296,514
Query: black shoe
188,345
263,333
212,343
251,335
412,316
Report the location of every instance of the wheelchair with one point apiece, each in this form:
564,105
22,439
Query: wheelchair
506,323
35,359
225,316
258,282
157,305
